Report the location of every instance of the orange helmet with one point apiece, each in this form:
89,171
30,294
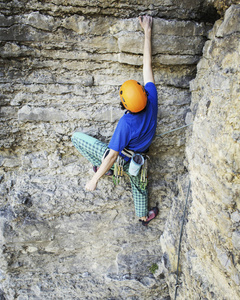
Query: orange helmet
133,96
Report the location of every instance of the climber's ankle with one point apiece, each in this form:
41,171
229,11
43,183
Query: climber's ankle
143,219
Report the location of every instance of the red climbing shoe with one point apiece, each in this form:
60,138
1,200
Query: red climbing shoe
108,173
151,215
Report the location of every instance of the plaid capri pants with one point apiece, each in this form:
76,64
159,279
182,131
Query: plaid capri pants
93,150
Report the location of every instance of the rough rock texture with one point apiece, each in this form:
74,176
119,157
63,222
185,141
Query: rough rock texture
62,63
210,261
223,5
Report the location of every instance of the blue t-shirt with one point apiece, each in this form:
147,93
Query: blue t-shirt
136,131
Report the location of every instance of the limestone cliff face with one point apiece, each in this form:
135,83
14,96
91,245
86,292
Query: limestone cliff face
211,243
213,154
62,64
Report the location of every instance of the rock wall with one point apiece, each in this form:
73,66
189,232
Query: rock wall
209,261
61,69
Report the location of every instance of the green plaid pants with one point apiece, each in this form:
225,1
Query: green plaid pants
93,150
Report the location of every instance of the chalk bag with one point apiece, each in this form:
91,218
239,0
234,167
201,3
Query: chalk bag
135,164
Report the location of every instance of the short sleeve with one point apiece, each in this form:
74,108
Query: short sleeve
152,93
121,136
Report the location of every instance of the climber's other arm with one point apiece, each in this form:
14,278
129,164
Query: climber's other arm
146,24
107,163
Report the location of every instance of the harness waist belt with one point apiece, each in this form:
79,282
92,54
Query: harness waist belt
127,152
130,153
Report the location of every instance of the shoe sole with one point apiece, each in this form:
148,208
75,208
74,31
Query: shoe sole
155,213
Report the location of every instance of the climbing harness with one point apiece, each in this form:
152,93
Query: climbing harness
105,154
180,239
118,170
119,164
128,153
144,174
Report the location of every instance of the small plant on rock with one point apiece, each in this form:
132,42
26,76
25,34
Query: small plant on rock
223,5
153,268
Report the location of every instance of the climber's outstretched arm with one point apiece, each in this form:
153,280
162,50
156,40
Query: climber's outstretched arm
105,166
146,23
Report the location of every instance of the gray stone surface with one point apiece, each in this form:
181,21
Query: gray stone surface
209,265
61,68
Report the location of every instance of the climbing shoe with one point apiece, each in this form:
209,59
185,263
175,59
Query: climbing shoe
108,173
151,215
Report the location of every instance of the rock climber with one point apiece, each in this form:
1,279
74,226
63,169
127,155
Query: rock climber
133,134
